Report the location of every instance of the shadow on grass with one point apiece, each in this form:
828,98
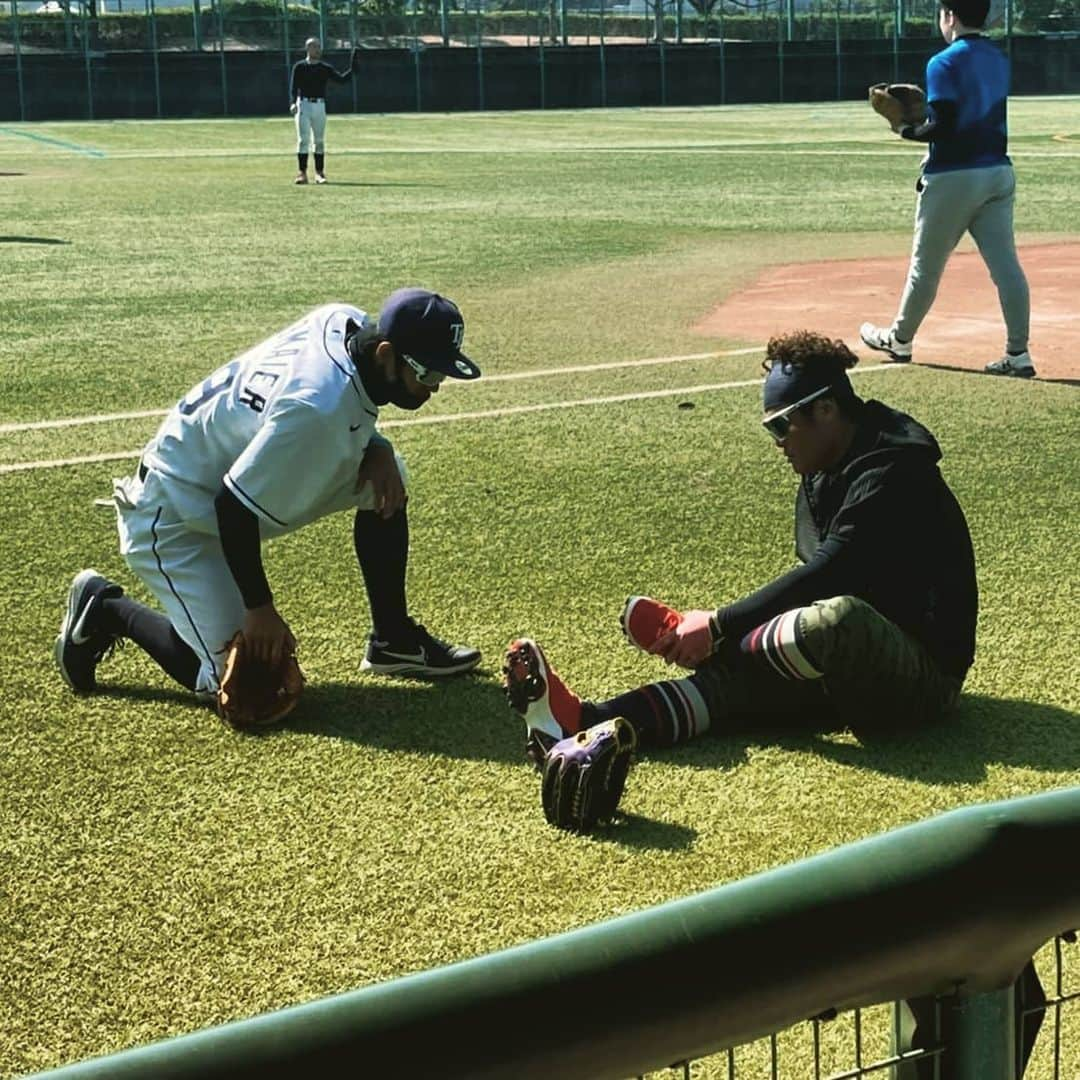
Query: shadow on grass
645,834
377,184
159,694
464,717
982,374
32,240
467,717
981,731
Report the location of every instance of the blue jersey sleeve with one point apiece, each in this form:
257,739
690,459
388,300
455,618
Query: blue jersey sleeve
940,83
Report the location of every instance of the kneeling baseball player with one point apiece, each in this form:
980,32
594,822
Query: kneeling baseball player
277,438
875,628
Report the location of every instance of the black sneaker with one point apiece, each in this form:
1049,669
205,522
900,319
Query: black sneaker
420,653
81,644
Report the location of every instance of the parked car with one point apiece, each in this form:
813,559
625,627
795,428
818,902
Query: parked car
54,7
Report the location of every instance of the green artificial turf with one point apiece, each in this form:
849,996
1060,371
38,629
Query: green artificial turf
159,873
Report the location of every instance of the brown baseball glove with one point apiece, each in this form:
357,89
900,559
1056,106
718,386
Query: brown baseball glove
899,103
253,694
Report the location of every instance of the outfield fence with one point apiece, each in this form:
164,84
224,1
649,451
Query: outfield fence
941,918
95,59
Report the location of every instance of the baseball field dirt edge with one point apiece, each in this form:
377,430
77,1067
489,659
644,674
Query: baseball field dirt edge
963,330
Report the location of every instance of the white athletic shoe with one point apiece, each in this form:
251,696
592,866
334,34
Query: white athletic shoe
320,178
1018,367
877,337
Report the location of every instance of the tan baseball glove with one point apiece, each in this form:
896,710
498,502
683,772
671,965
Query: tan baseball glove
253,694
899,103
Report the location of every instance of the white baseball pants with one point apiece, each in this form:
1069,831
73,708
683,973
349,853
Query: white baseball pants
186,570
310,124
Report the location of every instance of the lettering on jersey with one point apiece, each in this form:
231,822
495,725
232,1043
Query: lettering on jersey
209,388
255,402
289,345
259,379
457,334
262,379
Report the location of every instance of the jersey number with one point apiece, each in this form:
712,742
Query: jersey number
209,388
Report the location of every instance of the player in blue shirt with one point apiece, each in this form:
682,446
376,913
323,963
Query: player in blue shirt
967,185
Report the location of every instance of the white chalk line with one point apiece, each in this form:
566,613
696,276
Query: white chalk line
78,421
770,149
450,418
104,418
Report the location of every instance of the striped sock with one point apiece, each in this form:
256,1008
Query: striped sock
780,645
663,713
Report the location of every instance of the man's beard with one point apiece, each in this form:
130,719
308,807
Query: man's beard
401,397
383,392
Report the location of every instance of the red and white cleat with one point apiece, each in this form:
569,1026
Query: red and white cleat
645,620
536,693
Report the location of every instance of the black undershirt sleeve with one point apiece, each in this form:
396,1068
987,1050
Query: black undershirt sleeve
844,563
238,529
940,123
826,574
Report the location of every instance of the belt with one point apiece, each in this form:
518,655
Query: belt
302,98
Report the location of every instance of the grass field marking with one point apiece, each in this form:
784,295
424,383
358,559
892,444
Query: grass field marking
63,144
57,463
103,418
450,418
756,149
78,421
618,364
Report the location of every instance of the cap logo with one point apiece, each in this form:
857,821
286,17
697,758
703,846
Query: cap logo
457,334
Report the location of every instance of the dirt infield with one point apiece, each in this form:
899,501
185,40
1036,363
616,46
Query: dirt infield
964,327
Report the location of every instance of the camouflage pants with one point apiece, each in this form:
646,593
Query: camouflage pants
875,676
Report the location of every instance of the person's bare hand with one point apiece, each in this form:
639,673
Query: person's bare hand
267,636
379,469
691,642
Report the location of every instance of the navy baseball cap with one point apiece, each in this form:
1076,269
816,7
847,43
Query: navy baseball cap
429,328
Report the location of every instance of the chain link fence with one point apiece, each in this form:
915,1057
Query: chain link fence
90,59
214,25
865,1043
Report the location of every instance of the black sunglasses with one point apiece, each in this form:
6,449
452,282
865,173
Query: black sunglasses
778,423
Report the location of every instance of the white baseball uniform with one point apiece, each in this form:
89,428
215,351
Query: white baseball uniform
284,426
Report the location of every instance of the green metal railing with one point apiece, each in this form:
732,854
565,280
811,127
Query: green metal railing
1038,1044
943,917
